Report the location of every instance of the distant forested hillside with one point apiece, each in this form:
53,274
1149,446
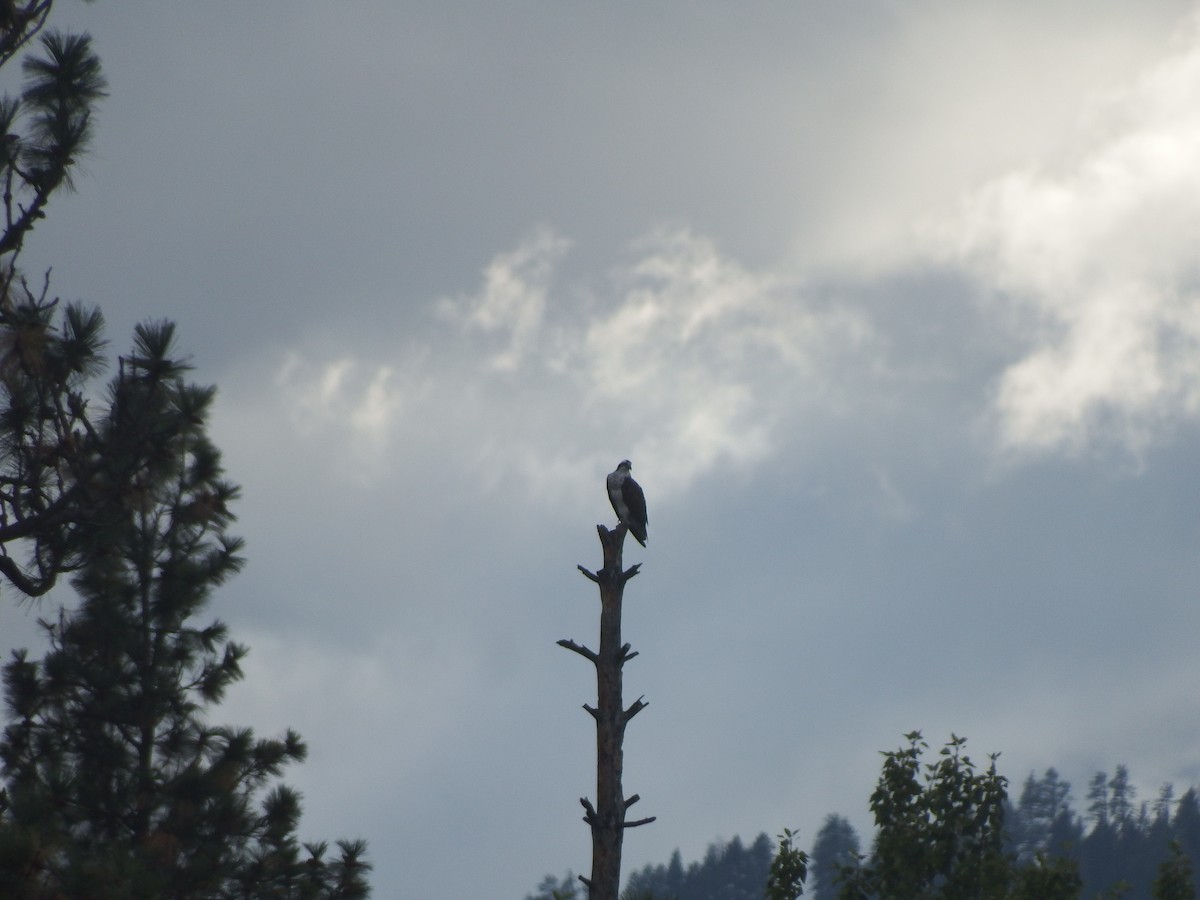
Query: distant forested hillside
1118,841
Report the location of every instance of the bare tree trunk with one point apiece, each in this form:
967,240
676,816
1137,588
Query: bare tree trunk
607,817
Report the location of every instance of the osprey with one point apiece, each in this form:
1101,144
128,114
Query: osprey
628,501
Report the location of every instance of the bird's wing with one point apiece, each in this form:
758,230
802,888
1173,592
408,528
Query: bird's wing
635,500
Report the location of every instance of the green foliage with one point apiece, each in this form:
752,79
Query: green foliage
62,85
1175,879
64,461
47,129
789,869
1133,853
938,836
116,785
54,471
1048,879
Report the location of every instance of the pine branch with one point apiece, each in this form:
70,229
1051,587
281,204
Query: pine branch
22,582
19,24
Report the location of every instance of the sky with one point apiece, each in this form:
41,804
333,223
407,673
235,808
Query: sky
895,307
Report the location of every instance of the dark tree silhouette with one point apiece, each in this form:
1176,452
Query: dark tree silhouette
58,476
836,847
116,786
1174,880
50,465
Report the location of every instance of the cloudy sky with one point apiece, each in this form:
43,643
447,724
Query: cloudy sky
894,306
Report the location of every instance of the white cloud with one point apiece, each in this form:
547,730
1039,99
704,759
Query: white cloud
704,357
372,414
1094,259
688,360
361,402
512,299
683,360
953,93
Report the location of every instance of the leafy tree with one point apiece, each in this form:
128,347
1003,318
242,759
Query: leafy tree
835,848
116,785
789,869
937,837
1174,881
1047,878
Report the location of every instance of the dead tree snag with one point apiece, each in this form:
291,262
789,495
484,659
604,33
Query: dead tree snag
607,817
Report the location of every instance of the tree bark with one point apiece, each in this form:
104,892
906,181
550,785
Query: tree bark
607,818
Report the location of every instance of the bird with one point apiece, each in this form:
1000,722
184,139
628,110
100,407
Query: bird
628,500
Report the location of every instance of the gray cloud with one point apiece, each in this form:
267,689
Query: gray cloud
868,295
1094,257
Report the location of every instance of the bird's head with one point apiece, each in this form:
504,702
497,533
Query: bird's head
625,464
